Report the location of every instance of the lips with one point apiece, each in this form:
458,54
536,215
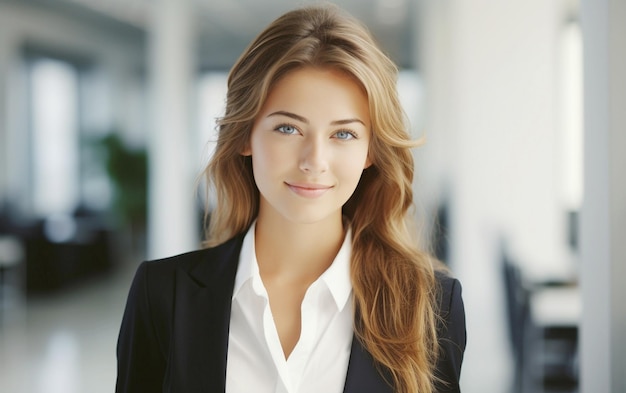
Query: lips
308,190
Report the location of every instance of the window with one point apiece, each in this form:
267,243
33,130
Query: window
572,125
54,136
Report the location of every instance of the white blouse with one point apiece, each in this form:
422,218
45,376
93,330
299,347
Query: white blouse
319,361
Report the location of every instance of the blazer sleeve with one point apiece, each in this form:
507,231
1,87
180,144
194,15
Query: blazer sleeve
452,336
140,357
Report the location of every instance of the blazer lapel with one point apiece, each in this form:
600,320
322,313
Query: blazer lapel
362,375
201,320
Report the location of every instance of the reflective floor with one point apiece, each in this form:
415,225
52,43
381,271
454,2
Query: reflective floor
64,342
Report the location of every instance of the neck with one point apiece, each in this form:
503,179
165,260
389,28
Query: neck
297,250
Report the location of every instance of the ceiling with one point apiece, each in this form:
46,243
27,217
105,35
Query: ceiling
225,27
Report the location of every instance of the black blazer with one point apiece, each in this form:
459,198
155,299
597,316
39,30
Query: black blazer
174,333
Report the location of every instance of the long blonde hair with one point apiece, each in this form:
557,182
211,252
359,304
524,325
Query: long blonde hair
393,281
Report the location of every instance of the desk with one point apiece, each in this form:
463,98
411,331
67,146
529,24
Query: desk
559,306
11,258
555,313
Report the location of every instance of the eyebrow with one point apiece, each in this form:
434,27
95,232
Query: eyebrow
306,121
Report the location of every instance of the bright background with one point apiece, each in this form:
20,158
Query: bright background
107,117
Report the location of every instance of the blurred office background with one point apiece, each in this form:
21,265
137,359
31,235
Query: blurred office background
107,115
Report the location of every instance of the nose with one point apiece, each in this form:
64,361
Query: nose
314,157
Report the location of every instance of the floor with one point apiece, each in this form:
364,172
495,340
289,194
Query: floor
64,342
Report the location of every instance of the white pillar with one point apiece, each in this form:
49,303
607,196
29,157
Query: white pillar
603,216
171,212
7,150
4,130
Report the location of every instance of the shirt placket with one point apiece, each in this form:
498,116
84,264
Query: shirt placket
272,340
301,354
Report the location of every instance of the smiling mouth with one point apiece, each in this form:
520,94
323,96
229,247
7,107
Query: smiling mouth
308,190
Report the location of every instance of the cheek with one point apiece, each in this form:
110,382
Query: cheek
267,157
351,169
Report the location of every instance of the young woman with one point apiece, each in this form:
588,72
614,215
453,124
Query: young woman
311,280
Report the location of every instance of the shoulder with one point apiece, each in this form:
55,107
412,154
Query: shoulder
154,284
451,332
164,268
449,294
208,260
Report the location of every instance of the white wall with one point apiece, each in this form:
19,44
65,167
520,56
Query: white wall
491,73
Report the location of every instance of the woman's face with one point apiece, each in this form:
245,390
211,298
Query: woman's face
309,145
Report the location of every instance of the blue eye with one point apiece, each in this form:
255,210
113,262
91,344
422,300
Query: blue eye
345,135
287,129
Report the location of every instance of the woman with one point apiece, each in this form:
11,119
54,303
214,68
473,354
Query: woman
311,281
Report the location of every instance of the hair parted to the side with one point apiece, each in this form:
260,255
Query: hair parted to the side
393,281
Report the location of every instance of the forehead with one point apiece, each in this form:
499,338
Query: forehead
313,72
330,90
